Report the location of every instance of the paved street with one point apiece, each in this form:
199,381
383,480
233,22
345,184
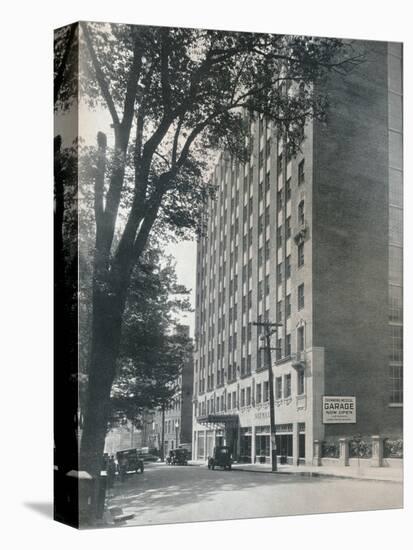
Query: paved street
169,494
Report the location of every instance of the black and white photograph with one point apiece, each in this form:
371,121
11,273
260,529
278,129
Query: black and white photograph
228,248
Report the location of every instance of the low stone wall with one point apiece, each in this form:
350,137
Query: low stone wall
392,463
326,461
359,452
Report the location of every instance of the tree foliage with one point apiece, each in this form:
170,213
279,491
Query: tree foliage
153,348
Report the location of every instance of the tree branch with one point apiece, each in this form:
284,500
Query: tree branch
165,83
131,92
58,80
100,178
101,77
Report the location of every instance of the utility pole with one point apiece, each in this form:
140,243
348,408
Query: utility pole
163,432
270,329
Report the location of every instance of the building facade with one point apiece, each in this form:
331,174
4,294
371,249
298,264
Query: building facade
173,425
314,243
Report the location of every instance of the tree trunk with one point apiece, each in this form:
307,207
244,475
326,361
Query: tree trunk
106,331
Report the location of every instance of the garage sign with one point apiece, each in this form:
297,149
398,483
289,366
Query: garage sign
339,410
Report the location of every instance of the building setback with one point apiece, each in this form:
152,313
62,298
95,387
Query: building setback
315,243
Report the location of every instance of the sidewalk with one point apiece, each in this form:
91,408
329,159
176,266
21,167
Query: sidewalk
353,472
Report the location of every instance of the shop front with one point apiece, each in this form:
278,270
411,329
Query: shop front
262,444
284,440
245,444
201,446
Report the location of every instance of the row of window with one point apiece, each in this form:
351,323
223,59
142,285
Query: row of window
283,390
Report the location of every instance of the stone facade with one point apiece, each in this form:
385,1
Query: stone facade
307,242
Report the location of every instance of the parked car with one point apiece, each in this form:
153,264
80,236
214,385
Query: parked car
148,457
221,457
178,456
129,461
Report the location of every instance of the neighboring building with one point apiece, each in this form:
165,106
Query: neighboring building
177,417
315,243
123,437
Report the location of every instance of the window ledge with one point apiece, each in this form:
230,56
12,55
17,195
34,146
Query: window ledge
395,405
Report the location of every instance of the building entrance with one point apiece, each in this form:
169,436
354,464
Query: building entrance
245,444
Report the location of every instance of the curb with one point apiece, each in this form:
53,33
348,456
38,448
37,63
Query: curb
318,474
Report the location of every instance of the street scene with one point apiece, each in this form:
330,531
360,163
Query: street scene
166,494
228,275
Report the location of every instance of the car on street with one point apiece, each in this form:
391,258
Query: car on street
129,461
220,458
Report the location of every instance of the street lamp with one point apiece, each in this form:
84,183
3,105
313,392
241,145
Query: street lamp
176,430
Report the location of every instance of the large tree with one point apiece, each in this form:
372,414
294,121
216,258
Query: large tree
153,347
174,95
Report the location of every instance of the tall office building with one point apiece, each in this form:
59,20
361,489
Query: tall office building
312,242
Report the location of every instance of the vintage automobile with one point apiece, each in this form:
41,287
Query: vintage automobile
221,457
178,456
129,461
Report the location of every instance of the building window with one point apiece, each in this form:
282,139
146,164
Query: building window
279,237
300,339
300,298
258,393
288,228
267,285
300,249
288,306
234,400
267,181
396,384
248,398
278,387
265,392
267,249
278,351
396,343
261,224
288,345
300,382
279,163
288,267
279,311
242,398
301,213
279,200
260,256
279,273
301,173
288,189
229,401
287,385
395,304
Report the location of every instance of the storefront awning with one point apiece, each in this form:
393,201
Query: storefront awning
225,419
